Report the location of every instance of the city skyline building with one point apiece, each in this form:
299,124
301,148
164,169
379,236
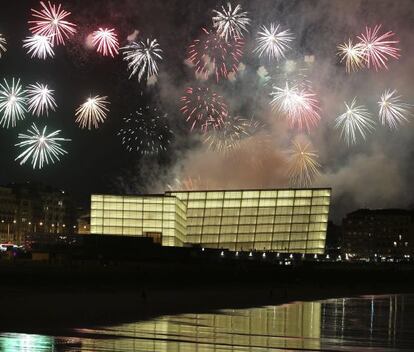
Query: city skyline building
280,220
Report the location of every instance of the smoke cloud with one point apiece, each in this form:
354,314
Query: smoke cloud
373,173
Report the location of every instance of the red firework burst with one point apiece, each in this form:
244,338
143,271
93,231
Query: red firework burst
51,22
212,53
204,108
378,48
106,41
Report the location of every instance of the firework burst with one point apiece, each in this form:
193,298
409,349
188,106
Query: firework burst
299,105
227,137
3,43
204,108
393,111
353,55
12,103
356,120
143,58
303,165
92,112
189,184
40,99
378,48
51,21
273,42
230,23
39,46
146,131
106,41
211,53
41,147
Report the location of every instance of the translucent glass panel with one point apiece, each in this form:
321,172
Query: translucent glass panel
140,216
279,220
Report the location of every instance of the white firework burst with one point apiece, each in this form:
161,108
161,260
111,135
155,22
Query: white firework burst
303,165
41,147
12,103
40,99
143,58
92,112
230,23
273,42
3,43
298,104
393,111
39,46
353,55
356,120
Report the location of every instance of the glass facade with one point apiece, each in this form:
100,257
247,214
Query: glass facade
285,220
282,220
160,217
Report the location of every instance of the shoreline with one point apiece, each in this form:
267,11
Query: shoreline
42,297
57,312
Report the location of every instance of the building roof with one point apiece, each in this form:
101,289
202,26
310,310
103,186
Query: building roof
251,189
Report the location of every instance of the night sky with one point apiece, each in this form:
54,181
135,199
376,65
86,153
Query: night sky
375,173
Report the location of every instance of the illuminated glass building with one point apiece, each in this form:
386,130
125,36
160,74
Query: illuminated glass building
282,220
161,217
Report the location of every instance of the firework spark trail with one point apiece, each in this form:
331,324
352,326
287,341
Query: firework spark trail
227,137
293,72
230,23
354,55
106,41
146,131
273,42
40,147
356,120
51,22
3,43
303,166
203,107
142,58
393,111
92,112
189,184
39,46
12,103
378,48
298,104
212,53
40,99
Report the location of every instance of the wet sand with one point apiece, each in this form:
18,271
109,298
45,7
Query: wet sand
45,310
44,298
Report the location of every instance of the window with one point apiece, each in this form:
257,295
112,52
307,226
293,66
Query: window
284,202
232,195
303,193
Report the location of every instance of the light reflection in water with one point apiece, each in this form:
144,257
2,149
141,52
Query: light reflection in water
371,323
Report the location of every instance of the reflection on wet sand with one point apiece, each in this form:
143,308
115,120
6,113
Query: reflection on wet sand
375,323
